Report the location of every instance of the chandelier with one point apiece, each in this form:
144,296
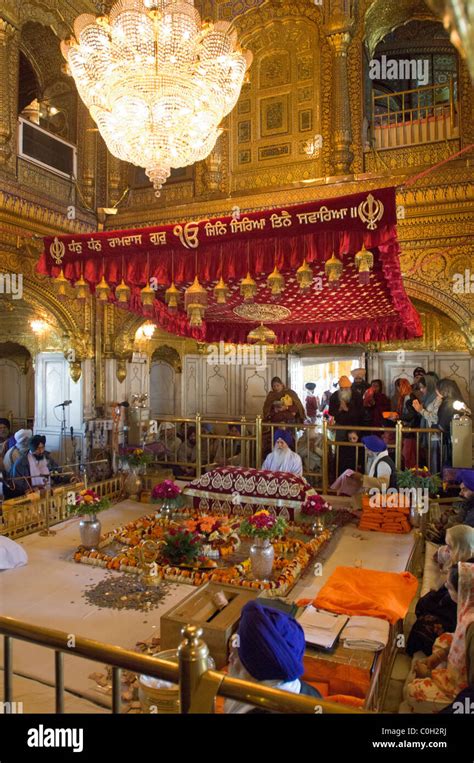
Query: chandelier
156,80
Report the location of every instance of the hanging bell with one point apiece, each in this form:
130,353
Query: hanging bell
60,285
148,297
102,290
261,335
195,296
122,292
276,282
248,288
195,315
172,295
81,288
221,291
304,276
364,261
333,270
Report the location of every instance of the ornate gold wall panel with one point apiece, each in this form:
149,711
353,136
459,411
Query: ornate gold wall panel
440,334
279,110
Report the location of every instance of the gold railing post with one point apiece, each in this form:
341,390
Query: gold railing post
258,443
116,689
398,444
325,460
198,446
451,102
192,655
7,671
59,681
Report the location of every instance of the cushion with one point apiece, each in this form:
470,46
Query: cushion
239,486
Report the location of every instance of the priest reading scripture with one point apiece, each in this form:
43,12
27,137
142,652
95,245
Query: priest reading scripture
282,458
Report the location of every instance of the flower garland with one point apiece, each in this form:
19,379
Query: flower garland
289,569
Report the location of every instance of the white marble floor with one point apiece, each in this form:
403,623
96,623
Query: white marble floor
49,592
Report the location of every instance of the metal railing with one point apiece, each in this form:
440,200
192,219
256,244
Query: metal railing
317,444
404,115
198,686
27,514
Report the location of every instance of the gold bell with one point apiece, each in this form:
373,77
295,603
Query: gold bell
172,295
195,296
364,261
276,282
122,292
61,284
148,297
81,288
248,288
221,290
333,270
304,275
261,335
195,315
102,290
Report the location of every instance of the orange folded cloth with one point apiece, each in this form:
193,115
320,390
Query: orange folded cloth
356,591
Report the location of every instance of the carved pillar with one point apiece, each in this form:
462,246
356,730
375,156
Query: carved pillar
9,65
341,132
212,176
114,180
87,140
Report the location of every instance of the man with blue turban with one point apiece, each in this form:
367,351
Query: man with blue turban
466,478
282,458
268,648
381,468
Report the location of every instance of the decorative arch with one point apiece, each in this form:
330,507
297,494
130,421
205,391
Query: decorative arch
381,18
167,354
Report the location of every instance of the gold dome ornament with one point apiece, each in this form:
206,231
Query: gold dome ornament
195,296
148,297
102,290
60,285
81,288
172,295
248,288
261,335
333,270
304,276
221,291
276,282
364,261
122,292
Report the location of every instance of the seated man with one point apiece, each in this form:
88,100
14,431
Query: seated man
33,470
282,458
187,455
461,512
268,648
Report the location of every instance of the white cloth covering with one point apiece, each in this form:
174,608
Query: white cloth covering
370,633
11,554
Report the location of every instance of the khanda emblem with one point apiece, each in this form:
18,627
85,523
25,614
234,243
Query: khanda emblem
188,235
371,211
57,250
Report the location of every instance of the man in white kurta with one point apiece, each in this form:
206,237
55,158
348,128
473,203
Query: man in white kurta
282,458
11,554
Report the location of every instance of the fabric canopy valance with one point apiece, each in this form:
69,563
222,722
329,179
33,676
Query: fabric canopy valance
257,242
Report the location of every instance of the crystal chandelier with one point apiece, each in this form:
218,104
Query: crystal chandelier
156,80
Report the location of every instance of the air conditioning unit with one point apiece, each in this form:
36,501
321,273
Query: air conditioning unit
46,149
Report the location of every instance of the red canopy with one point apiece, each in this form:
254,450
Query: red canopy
378,311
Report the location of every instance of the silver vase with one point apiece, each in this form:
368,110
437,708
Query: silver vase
262,555
317,528
167,508
89,528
